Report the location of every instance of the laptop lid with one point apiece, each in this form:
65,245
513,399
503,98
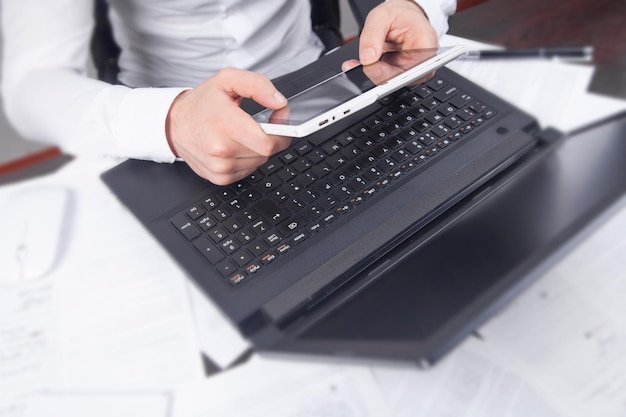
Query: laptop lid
445,281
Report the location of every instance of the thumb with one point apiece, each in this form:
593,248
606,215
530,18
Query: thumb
372,38
241,83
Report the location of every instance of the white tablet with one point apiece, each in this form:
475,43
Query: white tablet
347,92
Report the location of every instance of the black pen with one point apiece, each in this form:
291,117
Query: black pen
565,53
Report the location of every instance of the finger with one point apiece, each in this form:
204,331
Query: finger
379,72
248,139
241,83
223,171
240,126
280,143
395,24
373,36
280,116
349,64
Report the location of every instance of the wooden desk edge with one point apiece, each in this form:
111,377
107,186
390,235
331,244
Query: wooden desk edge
30,159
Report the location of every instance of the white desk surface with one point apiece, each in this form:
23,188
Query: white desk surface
115,327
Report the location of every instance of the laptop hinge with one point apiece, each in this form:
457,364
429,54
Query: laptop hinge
253,323
549,136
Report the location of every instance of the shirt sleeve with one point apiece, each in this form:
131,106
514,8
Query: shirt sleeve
438,12
49,97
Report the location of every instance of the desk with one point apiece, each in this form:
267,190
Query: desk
116,323
529,23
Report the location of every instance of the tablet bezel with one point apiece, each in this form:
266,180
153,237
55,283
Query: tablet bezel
343,109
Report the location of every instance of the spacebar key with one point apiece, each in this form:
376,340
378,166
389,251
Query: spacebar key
271,212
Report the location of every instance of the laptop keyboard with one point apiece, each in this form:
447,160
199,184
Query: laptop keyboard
241,228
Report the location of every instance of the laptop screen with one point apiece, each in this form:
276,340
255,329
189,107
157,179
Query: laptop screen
516,228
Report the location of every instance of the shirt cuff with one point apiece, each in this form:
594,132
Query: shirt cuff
437,12
141,124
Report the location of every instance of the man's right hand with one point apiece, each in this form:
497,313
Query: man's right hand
217,139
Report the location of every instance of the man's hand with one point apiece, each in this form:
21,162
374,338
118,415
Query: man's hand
216,138
393,25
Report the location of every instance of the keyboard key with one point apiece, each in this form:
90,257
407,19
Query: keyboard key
270,167
317,156
245,236
436,84
288,156
237,278
253,268
302,164
229,246
290,227
218,234
346,138
221,213
206,223
233,225
303,147
271,212
226,267
257,248
210,252
185,226
331,147
300,237
260,227
269,183
460,100
283,248
211,202
446,94
242,258
268,258
272,239
195,212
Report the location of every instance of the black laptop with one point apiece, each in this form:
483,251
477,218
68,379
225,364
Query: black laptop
390,235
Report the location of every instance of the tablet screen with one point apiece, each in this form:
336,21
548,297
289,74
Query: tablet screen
344,86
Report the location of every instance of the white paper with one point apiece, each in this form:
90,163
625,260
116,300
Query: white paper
99,405
123,312
219,339
114,313
554,92
569,329
269,387
466,383
27,341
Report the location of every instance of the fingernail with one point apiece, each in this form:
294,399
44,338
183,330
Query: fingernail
279,98
368,55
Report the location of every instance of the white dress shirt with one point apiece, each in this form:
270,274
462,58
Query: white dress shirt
167,46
